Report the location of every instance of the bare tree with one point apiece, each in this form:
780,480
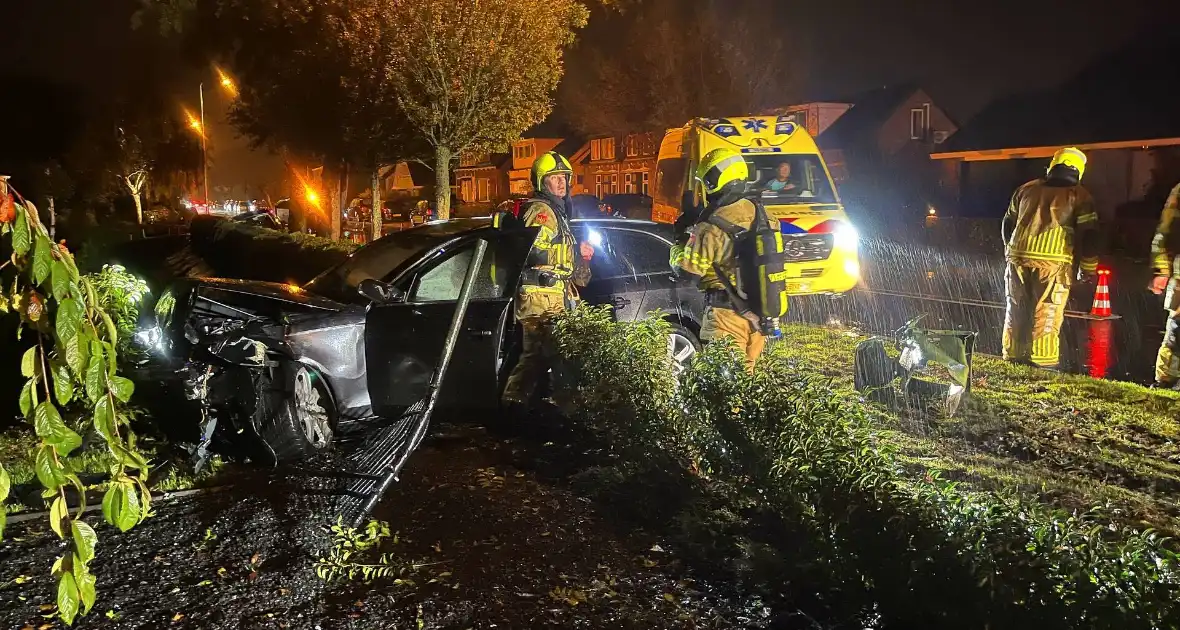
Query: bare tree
133,168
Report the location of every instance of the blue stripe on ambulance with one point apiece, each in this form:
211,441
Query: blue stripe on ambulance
786,227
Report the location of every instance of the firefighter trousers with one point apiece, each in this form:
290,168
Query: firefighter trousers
1037,294
537,356
721,323
1167,362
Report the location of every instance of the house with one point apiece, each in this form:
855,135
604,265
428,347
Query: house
617,164
1118,110
483,178
814,117
878,150
898,126
525,152
408,179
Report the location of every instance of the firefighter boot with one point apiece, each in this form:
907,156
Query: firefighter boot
1167,362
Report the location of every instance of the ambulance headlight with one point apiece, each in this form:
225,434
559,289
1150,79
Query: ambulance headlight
846,237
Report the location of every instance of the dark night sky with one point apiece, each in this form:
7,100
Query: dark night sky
964,53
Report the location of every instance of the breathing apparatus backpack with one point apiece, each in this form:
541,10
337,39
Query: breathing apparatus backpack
761,268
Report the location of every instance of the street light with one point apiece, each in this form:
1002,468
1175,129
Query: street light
199,125
204,145
226,82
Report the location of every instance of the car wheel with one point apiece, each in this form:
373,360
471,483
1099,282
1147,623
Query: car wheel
682,347
299,417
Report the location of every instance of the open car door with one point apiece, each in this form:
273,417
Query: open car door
404,340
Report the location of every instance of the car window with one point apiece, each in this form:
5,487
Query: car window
645,253
382,259
442,280
623,253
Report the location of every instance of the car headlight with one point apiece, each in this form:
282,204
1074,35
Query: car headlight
151,339
846,237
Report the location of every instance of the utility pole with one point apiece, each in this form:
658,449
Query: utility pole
204,146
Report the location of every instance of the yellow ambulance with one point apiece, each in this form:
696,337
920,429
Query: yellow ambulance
789,174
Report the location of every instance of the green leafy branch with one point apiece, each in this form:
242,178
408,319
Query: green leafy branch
72,365
348,543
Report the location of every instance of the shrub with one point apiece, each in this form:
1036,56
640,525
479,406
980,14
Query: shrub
861,542
247,251
120,294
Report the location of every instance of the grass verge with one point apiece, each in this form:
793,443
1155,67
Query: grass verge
795,476
1072,441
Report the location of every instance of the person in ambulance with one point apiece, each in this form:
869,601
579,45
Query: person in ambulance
782,180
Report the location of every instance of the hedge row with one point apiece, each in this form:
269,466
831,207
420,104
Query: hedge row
856,543
246,251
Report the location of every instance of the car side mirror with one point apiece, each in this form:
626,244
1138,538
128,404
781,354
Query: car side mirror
378,292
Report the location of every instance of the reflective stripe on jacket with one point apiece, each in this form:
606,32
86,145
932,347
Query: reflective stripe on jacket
708,244
1046,222
1164,250
553,253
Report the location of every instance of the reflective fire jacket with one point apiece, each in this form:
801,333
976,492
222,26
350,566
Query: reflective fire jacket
1051,222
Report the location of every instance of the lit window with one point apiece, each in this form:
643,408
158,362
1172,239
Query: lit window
919,122
632,145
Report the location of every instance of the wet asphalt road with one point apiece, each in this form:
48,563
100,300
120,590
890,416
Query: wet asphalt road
487,536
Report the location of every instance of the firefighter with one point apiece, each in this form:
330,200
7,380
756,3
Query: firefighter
552,272
722,175
1165,252
1049,221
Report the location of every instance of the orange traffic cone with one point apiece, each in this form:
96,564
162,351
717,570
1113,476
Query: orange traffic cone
1101,307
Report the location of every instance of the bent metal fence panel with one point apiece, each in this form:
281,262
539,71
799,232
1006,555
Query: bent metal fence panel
374,464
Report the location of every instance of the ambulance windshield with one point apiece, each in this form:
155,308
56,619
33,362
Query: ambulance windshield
790,178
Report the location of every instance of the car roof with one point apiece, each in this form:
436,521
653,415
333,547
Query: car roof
662,229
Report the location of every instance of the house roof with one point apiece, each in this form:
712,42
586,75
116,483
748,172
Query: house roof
420,173
1122,99
570,146
869,111
495,160
550,128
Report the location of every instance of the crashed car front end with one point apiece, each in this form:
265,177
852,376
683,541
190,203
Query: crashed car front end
265,367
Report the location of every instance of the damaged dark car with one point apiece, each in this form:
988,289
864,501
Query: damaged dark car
276,372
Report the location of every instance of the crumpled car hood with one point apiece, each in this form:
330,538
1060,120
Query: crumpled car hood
290,293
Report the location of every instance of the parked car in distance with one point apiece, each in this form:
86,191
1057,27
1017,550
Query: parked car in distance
260,218
628,206
585,207
288,366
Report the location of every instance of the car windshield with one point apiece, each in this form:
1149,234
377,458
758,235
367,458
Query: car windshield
378,260
790,178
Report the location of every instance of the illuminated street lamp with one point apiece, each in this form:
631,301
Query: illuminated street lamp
226,82
198,125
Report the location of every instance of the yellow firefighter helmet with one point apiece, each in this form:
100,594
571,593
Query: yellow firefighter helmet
1071,157
551,163
721,167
